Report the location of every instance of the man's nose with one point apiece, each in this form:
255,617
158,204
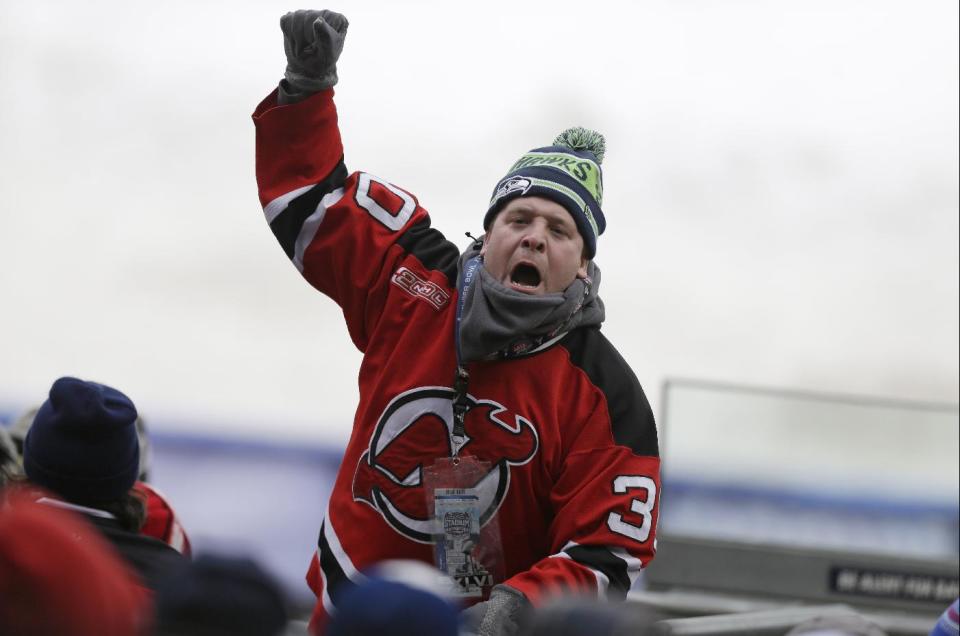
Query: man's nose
534,239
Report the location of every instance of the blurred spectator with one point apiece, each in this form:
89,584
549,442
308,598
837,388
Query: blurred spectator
838,625
82,446
20,426
9,462
948,623
161,520
146,450
400,598
220,596
58,576
586,617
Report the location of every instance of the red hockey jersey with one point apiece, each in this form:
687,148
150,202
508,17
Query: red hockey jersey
567,430
162,521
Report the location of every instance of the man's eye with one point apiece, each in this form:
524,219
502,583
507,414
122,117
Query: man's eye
559,231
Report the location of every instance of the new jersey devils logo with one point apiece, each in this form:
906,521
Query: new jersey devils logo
413,431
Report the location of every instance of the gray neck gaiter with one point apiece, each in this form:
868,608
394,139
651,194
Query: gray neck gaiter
499,322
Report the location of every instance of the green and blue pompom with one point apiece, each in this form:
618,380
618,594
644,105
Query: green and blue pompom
579,138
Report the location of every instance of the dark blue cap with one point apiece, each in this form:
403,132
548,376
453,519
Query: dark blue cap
378,606
83,444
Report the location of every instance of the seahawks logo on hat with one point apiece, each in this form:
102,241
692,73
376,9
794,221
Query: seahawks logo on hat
516,184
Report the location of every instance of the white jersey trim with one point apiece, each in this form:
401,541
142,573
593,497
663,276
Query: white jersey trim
92,512
177,537
325,597
634,565
310,226
273,209
343,560
602,581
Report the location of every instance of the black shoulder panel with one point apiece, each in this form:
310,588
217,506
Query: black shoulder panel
286,227
431,248
630,413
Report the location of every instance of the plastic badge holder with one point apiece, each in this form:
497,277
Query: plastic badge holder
467,547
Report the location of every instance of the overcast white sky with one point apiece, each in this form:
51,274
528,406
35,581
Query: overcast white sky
781,189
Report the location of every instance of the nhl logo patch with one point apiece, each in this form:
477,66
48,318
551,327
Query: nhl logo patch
419,288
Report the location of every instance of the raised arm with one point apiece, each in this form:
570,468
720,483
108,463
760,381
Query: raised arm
299,147
345,233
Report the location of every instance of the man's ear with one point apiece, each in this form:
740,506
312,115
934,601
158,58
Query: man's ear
582,272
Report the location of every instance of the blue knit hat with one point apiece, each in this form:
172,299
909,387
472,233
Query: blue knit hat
567,172
83,442
378,606
220,594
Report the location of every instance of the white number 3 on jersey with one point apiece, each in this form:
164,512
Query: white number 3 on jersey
643,507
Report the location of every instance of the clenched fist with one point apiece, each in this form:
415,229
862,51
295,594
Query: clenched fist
312,41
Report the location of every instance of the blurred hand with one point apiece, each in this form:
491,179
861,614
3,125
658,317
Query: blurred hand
499,616
313,41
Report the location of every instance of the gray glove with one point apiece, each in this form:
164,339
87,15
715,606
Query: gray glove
312,41
501,615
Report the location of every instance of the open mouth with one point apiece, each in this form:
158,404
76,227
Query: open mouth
525,275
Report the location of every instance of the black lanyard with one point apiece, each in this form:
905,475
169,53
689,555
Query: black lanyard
462,378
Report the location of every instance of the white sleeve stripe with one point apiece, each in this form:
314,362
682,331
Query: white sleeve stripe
340,556
338,552
325,599
615,564
634,565
603,582
310,226
273,209
177,537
